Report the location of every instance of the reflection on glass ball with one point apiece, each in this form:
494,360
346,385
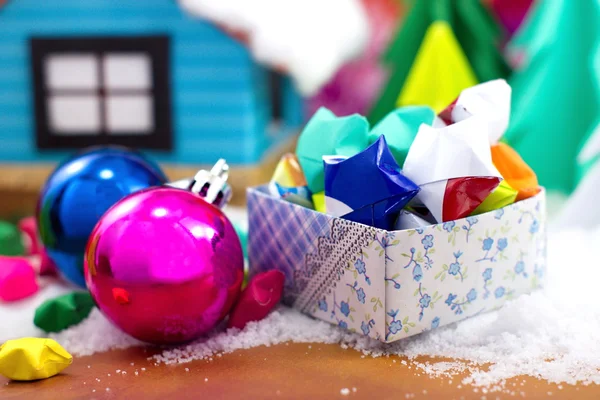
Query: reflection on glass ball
164,265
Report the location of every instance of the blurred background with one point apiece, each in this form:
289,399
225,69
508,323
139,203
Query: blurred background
190,81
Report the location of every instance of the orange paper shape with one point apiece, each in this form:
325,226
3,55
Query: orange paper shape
515,171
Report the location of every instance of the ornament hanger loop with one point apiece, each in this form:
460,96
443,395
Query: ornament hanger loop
211,185
221,169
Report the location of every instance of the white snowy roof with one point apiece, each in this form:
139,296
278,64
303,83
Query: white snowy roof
308,39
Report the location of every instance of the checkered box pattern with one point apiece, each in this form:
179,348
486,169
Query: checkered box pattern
280,234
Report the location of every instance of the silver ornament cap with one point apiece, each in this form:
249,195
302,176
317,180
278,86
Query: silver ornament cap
211,185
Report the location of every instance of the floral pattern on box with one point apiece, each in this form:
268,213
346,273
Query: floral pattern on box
390,285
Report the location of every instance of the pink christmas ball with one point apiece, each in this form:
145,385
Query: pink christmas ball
164,265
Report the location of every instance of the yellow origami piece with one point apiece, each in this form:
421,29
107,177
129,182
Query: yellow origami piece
440,71
502,196
319,201
29,359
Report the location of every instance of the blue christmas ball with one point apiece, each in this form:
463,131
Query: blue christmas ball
79,192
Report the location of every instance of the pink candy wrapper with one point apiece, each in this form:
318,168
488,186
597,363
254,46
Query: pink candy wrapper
258,299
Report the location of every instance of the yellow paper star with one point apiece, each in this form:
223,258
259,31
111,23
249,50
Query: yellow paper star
502,196
29,359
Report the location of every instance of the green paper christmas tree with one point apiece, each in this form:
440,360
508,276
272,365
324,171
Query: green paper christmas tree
11,243
477,33
555,95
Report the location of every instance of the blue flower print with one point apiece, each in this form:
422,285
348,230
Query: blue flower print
487,243
519,267
427,241
535,227
384,242
450,299
365,328
499,213
394,281
419,230
345,308
454,268
472,220
343,324
487,274
448,226
435,322
360,266
425,300
395,327
452,229
322,305
458,307
502,244
417,273
360,293
472,295
499,292
538,271
412,257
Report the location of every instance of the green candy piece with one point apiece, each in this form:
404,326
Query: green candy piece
400,128
57,314
11,243
329,135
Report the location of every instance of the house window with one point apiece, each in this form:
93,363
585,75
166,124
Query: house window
276,87
102,90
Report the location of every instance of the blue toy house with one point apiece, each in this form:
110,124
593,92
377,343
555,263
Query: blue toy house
140,73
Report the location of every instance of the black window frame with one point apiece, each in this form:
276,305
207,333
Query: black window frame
157,47
275,82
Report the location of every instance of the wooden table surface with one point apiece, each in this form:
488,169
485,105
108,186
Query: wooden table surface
288,371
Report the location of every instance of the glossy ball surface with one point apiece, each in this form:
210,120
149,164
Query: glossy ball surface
79,192
164,265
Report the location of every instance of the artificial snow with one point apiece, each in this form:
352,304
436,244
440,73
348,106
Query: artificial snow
309,39
551,334
93,335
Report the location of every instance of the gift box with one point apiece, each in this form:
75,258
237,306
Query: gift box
393,284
